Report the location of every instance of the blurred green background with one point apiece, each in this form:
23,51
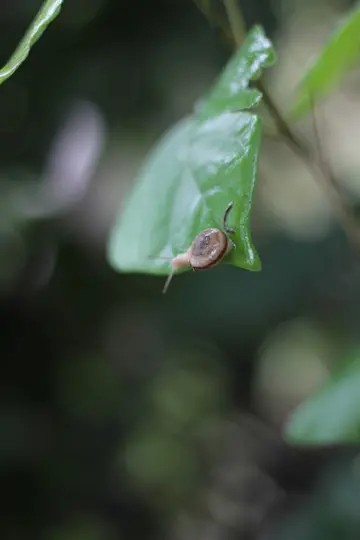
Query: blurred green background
125,413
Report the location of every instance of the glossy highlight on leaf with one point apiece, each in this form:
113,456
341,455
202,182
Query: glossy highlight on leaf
232,92
47,13
332,415
198,167
337,57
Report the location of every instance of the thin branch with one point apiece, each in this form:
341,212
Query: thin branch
205,7
215,18
323,164
236,21
318,166
344,210
282,126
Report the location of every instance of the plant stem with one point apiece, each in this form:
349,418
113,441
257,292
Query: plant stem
282,126
339,202
236,21
318,166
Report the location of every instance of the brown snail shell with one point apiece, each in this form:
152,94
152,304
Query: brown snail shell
207,250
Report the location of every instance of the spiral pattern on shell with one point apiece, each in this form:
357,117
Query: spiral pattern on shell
208,249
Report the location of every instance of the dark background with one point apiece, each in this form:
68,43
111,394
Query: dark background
124,413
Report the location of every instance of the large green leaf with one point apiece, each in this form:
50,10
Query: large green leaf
47,13
332,415
198,167
338,55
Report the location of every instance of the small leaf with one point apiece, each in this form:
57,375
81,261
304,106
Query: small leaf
232,92
203,163
332,415
47,13
340,53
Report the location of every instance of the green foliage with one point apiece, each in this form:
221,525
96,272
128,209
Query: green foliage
333,414
332,63
198,167
232,92
47,13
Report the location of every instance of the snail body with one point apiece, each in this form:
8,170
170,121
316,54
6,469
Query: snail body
207,250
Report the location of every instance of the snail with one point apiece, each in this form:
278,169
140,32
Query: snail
207,250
